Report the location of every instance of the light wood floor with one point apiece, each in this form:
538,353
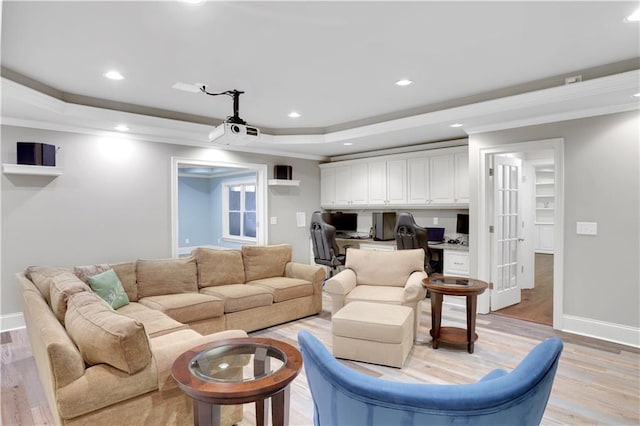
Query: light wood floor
598,383
537,303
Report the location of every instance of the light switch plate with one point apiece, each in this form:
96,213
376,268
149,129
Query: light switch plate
587,228
274,220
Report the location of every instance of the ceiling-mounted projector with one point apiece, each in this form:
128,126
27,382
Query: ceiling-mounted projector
234,134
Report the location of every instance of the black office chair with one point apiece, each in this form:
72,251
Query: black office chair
323,240
411,236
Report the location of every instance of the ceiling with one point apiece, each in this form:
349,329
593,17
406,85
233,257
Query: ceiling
485,65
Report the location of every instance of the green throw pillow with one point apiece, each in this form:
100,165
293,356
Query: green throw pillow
108,286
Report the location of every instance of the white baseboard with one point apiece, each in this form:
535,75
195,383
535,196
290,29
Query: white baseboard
612,332
11,322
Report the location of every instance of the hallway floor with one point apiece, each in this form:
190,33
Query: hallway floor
537,303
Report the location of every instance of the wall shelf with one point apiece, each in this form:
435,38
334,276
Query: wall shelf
283,182
24,169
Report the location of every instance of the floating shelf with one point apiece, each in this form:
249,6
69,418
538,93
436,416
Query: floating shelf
283,182
23,169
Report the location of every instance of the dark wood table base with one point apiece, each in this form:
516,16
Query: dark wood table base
454,335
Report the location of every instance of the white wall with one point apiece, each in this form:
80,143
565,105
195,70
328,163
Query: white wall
602,184
113,203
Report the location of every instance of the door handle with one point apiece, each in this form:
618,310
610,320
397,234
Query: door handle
521,239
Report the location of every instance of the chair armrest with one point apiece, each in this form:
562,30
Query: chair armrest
312,273
494,375
414,291
341,283
338,287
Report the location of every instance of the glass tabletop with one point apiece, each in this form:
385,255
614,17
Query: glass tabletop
237,363
449,281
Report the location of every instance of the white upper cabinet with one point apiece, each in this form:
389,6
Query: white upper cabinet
377,179
388,182
359,183
441,175
418,188
343,185
435,178
461,189
328,187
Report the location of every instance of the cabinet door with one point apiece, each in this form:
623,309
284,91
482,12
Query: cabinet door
359,184
456,263
397,181
343,185
377,173
418,180
327,187
441,179
461,189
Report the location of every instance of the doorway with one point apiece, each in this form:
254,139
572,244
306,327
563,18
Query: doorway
486,239
198,213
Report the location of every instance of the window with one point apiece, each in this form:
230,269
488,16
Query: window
240,211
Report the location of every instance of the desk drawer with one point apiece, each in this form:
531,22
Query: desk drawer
379,247
456,263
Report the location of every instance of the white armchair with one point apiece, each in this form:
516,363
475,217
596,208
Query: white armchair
393,277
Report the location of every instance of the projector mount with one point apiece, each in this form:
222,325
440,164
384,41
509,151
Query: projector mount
235,94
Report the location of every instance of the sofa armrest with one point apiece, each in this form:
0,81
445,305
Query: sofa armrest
414,291
168,347
312,273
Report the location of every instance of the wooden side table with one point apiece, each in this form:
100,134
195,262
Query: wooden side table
237,371
439,286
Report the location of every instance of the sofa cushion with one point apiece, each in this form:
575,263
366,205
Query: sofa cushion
387,268
126,272
186,307
105,336
63,285
166,276
265,261
218,267
376,293
239,297
155,322
86,271
107,285
42,276
284,288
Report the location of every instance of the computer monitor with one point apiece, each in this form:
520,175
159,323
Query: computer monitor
344,222
462,227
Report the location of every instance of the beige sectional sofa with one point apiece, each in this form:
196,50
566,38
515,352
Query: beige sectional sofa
101,365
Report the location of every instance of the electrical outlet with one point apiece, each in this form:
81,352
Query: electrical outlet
435,220
587,228
186,241
274,220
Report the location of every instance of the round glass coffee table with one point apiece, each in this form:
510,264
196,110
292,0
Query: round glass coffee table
439,286
237,371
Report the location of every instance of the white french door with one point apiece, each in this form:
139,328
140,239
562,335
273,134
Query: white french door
507,180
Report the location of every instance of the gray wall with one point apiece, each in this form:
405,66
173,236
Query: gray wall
602,184
113,203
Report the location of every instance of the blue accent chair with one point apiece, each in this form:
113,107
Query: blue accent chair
342,396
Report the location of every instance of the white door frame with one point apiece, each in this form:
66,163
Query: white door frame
261,195
483,212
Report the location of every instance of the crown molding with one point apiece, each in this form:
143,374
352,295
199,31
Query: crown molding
598,96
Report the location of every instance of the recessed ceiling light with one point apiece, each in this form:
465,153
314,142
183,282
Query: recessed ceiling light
114,75
637,95
294,114
347,143
456,125
404,82
634,17
122,128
